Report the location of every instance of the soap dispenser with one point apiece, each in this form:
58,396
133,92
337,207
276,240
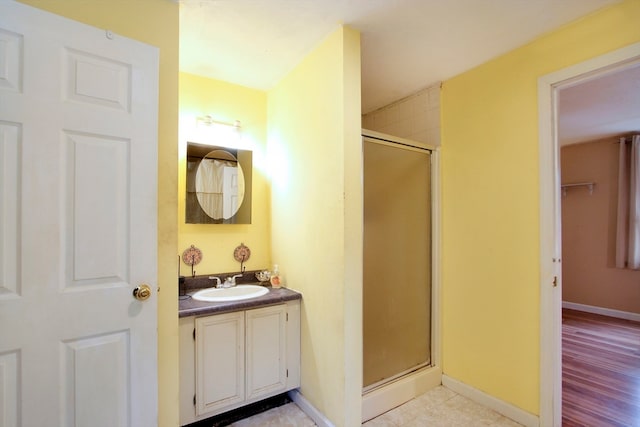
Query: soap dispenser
275,280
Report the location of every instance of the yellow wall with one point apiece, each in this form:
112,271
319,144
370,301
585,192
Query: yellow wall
490,205
315,147
154,22
225,102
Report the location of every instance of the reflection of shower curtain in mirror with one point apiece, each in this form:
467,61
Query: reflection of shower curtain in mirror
209,186
397,260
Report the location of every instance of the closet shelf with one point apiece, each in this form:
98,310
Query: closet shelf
589,185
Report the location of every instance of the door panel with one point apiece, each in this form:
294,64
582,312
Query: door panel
266,350
78,139
10,54
79,376
10,170
9,387
96,80
220,356
397,260
97,204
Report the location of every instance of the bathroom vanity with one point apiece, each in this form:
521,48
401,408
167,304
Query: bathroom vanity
236,353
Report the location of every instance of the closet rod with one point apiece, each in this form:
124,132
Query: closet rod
627,138
590,185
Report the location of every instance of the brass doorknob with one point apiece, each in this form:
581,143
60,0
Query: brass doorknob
142,292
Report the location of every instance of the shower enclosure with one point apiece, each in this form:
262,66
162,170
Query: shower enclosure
397,260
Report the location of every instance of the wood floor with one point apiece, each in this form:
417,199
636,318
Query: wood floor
600,371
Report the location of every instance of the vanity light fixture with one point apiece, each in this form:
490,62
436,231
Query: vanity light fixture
209,121
216,132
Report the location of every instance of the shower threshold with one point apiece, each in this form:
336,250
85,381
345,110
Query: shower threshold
385,395
385,381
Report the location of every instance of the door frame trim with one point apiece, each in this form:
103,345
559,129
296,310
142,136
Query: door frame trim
550,219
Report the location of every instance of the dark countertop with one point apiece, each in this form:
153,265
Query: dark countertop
190,307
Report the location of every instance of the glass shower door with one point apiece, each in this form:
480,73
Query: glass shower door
397,260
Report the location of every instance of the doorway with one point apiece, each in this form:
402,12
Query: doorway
549,87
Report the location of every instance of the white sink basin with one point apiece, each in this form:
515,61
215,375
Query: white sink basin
235,293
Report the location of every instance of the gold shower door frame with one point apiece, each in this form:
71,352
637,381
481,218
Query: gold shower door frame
397,261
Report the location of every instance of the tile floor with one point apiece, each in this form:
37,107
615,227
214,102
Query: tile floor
439,407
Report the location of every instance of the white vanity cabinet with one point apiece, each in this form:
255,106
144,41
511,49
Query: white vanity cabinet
232,359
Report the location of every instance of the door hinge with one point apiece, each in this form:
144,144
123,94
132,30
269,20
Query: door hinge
194,400
194,334
287,373
555,281
287,317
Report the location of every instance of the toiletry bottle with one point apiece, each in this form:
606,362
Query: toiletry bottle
275,277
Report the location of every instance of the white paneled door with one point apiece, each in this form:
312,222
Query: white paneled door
78,141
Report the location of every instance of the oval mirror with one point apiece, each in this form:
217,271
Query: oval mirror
220,184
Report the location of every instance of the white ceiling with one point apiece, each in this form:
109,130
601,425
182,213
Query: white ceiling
407,45
600,108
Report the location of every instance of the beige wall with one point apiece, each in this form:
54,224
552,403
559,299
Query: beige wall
589,230
225,102
490,205
416,117
154,22
315,146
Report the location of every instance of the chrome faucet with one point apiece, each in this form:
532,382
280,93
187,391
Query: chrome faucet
230,281
217,279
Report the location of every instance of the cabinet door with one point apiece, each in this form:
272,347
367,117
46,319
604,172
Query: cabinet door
220,367
266,341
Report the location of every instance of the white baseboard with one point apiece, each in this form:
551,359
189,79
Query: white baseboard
507,409
311,411
603,311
